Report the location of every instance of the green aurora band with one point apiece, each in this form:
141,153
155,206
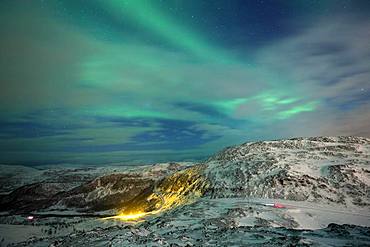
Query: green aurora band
151,18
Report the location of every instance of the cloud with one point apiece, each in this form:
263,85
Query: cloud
328,59
349,123
38,58
69,96
327,64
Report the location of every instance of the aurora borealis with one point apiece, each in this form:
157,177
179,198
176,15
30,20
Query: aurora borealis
100,81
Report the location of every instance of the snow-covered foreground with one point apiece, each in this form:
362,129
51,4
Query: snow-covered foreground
232,221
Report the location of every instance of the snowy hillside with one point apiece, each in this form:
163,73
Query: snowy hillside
320,169
302,191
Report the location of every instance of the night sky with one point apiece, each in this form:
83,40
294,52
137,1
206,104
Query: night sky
101,81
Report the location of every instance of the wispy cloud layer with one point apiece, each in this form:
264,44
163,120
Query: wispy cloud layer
73,93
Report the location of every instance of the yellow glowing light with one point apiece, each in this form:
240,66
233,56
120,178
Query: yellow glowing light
129,217
180,188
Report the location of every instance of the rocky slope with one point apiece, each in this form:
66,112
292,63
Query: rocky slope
319,169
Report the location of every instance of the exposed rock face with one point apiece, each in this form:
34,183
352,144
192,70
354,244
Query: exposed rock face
325,169
30,197
176,189
106,192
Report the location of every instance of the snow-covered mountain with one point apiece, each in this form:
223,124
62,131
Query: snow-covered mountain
319,169
323,184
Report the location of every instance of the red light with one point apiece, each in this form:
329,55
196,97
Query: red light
278,205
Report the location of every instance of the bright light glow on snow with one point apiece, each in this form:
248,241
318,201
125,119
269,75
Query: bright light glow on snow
181,188
130,217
